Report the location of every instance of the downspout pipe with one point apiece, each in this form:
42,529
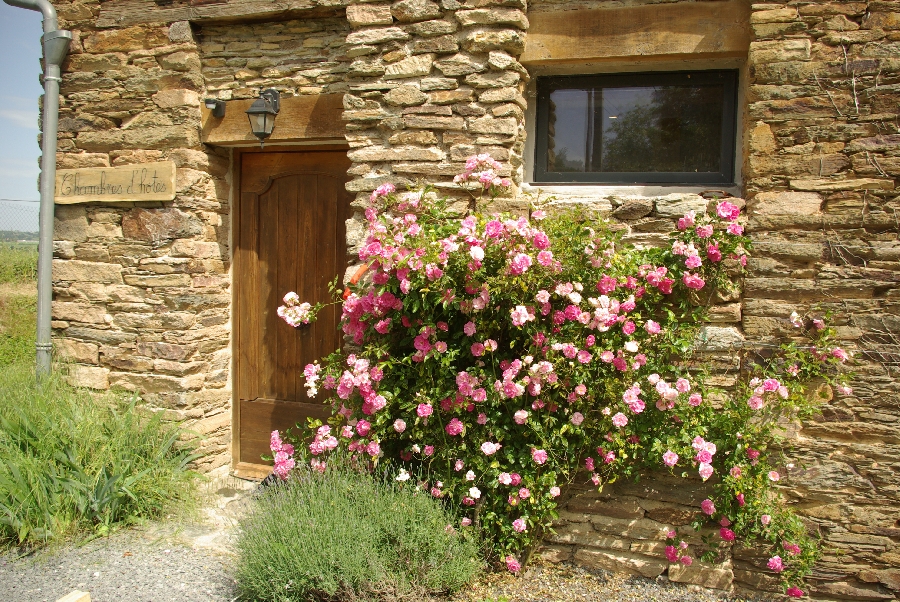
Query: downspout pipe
55,43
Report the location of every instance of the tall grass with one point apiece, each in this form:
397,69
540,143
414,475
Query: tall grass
71,463
344,535
18,262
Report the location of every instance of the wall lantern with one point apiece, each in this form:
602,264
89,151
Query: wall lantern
262,114
216,106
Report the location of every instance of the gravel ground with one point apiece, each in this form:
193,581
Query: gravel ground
191,562
127,567
547,582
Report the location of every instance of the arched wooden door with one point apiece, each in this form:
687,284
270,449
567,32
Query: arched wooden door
289,236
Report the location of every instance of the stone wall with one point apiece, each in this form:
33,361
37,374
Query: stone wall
141,290
822,166
304,56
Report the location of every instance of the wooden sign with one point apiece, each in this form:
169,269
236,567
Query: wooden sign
141,182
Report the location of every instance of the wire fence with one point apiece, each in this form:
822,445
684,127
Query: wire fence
19,220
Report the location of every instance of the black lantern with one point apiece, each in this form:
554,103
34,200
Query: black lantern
262,114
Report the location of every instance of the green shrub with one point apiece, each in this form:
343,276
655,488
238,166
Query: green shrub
70,462
344,535
18,262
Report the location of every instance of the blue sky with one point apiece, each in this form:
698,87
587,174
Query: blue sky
20,52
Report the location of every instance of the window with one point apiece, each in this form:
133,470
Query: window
637,128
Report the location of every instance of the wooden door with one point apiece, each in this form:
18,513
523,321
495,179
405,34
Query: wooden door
289,236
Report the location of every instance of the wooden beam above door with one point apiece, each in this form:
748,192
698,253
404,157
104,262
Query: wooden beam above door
311,117
674,31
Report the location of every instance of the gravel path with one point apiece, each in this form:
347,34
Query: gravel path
547,582
191,562
127,567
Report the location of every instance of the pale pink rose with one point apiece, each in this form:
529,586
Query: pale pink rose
539,456
735,472
474,493
765,519
424,410
554,491
695,399
519,525
670,458
577,418
542,296
520,417
504,478
399,425
706,471
465,522
774,476
620,420
652,327
469,328
477,253
458,465
489,448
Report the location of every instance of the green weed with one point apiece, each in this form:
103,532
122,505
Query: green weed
18,262
71,462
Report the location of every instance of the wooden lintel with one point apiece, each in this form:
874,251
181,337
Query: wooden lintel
698,29
122,13
311,117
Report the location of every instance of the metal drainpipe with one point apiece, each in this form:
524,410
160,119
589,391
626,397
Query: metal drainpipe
55,44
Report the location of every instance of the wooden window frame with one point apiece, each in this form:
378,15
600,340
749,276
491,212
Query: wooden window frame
547,85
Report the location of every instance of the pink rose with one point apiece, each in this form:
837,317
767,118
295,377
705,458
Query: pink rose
776,564
424,410
765,519
726,534
620,420
399,425
708,507
489,448
670,458
519,525
512,565
554,492
794,592
539,456
774,476
520,417
577,418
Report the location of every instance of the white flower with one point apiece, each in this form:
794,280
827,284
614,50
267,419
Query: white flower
470,476
631,346
474,493
403,476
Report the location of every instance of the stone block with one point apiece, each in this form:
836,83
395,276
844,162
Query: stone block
702,575
125,40
440,45
485,40
159,225
96,62
552,553
719,338
77,160
361,15
620,562
78,312
774,15
490,125
676,205
414,66
73,270
823,185
377,36
633,208
71,350
411,11
492,16
459,64
436,122
786,203
405,96
780,51
167,99
90,377
493,79
433,28
846,591
180,61
380,153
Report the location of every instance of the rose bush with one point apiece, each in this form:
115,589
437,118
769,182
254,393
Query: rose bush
496,358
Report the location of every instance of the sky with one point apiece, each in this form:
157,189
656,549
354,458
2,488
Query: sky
20,89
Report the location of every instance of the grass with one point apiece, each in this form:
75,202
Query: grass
18,262
73,462
346,536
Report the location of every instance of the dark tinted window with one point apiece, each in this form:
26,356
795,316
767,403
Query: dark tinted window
652,127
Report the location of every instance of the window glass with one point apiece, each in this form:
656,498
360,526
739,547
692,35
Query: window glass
651,127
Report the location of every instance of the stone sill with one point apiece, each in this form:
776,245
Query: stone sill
631,190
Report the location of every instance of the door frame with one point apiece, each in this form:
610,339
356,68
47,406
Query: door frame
246,470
